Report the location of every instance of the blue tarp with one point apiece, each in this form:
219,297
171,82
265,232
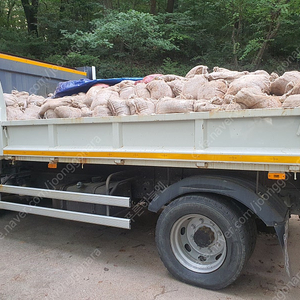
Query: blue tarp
71,87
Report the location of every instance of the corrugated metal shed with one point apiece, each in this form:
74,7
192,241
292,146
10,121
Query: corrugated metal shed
35,77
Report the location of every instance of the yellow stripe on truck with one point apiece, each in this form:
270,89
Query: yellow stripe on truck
40,64
161,156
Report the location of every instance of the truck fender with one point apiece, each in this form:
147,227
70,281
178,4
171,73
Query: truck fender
265,204
269,208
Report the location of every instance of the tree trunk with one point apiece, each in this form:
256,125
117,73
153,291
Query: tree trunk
9,11
153,7
170,6
236,29
31,11
108,4
118,4
234,48
272,32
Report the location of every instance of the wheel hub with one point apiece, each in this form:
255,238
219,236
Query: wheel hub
198,243
204,237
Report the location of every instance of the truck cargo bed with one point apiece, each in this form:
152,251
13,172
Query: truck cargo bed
260,139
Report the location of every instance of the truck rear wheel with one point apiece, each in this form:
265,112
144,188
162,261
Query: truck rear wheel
201,242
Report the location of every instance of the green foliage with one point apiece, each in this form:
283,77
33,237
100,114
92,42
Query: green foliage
121,38
115,67
21,43
126,34
74,59
174,67
251,47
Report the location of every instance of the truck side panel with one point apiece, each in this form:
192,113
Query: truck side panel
256,140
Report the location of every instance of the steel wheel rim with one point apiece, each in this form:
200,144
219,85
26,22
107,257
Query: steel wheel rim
198,243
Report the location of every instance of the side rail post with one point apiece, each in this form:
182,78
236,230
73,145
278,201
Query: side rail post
3,118
2,105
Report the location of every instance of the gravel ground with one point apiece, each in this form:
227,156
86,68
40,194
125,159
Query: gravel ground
45,258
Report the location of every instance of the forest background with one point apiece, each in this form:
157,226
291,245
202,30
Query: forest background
125,38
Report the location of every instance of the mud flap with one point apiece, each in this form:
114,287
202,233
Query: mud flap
282,231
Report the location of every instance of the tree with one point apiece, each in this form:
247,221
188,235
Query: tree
132,35
31,12
272,18
237,14
153,7
170,6
265,19
6,9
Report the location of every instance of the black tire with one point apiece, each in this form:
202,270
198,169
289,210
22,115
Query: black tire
201,242
249,220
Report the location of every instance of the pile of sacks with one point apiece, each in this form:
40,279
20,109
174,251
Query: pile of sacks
22,106
198,91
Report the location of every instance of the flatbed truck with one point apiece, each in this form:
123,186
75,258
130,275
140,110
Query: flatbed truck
209,175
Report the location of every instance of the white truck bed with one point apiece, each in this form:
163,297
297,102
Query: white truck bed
260,139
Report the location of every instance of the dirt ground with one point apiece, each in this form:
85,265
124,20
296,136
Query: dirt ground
45,258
